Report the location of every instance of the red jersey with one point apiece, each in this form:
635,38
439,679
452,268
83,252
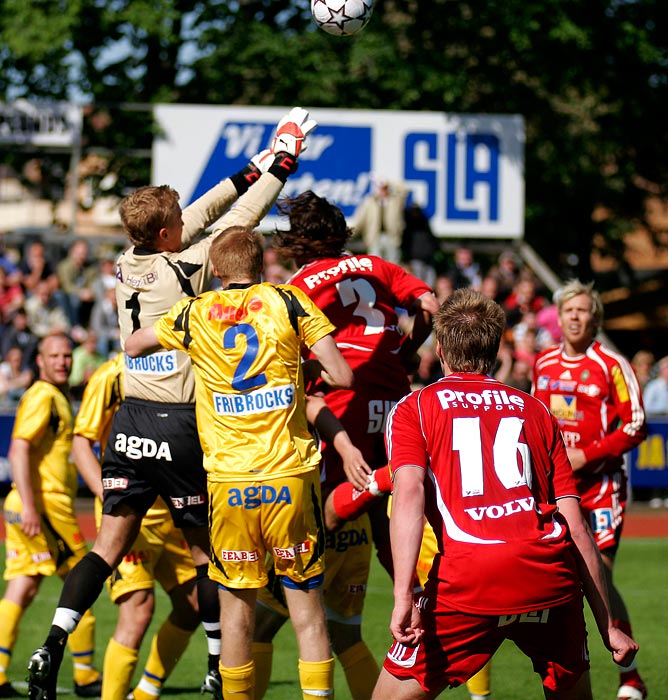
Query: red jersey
360,295
495,466
597,401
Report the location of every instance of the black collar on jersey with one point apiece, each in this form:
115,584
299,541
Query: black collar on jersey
239,285
145,251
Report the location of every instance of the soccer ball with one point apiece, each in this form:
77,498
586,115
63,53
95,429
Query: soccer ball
341,17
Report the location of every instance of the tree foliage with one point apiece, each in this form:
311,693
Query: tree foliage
590,78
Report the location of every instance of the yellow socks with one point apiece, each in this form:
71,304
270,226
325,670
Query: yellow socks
119,665
238,682
317,679
82,646
361,670
480,685
10,618
167,647
263,653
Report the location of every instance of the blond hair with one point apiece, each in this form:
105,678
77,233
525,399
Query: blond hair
574,288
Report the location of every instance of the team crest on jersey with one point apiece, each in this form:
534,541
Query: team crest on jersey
585,375
564,407
543,383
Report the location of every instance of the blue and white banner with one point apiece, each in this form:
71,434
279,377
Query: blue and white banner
465,170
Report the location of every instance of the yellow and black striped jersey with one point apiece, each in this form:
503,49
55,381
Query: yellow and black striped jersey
149,283
245,345
44,419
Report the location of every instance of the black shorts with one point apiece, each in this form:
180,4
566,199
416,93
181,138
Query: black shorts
153,449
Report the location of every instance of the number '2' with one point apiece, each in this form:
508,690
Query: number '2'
240,380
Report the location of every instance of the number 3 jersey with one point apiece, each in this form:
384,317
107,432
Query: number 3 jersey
245,345
495,466
360,295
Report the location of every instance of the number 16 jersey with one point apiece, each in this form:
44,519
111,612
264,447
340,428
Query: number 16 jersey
495,466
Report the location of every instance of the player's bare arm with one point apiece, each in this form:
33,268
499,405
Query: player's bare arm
576,457
406,528
425,307
330,427
335,370
142,341
590,566
87,464
19,460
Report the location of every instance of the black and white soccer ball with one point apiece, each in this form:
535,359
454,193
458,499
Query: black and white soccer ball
341,17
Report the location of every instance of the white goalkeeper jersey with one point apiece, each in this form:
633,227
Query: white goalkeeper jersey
149,283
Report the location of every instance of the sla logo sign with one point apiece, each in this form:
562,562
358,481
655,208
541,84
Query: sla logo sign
466,171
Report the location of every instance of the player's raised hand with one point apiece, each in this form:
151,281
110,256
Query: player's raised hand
291,132
263,160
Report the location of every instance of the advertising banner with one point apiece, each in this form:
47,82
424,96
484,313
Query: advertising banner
40,125
649,462
465,170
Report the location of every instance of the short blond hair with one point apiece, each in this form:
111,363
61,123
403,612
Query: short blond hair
574,288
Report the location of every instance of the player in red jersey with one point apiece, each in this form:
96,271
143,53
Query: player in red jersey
360,295
595,396
487,466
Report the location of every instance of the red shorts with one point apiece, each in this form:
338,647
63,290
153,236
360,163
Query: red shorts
457,645
603,502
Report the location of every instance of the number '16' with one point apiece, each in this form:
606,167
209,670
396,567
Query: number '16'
467,440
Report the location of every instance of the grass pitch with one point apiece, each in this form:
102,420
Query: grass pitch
641,574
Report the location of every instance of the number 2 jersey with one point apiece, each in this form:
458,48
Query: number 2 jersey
496,466
245,344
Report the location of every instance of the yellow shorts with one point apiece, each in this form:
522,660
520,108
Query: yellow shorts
347,564
282,517
160,553
57,548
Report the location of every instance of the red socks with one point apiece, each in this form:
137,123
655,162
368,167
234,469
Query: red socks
349,503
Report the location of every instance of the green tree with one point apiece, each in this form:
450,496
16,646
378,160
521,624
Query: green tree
591,80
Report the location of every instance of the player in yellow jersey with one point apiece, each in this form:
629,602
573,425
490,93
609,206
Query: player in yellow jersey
43,536
347,565
245,343
159,553
153,448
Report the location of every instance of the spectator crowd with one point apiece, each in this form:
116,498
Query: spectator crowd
72,290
